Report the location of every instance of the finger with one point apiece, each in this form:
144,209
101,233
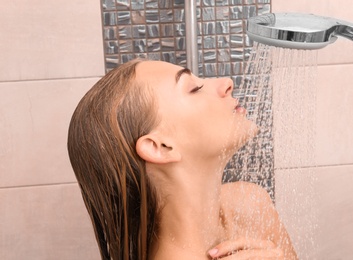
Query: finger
239,244
254,254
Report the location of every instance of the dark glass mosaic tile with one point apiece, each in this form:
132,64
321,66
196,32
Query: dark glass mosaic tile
125,32
222,13
236,40
123,17
110,33
125,46
179,29
180,43
179,15
209,42
208,14
181,58
169,57
237,54
166,16
108,5
109,18
208,2
210,69
223,41
236,12
209,28
137,4
235,2
223,55
153,31
154,56
152,16
222,27
167,30
111,47
153,45
249,11
224,69
209,56
139,45
237,68
139,31
167,4
167,44
236,26
152,4
122,4
222,2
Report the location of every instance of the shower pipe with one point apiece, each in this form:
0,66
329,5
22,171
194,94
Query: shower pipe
192,59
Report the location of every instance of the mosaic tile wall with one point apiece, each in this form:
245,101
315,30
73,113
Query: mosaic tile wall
155,29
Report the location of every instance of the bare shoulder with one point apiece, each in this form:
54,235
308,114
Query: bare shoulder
246,196
250,207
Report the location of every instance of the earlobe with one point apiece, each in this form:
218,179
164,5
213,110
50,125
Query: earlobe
152,150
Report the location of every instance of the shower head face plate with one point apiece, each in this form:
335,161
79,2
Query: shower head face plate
293,30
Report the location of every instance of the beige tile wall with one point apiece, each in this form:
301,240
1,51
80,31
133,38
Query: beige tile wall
51,53
324,192
50,39
45,222
316,204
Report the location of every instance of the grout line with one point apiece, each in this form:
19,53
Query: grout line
315,166
49,79
70,183
37,185
334,64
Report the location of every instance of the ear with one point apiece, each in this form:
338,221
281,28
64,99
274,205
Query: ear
151,149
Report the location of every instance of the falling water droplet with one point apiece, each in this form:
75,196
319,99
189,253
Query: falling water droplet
278,90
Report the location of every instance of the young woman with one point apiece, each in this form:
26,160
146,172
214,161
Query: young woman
148,144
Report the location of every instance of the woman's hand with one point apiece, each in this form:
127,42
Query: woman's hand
242,249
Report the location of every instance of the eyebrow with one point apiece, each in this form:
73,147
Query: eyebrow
181,72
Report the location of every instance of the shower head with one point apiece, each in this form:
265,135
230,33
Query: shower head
297,31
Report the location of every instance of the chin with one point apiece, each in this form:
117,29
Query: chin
249,131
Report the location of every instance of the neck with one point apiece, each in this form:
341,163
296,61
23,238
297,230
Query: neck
190,216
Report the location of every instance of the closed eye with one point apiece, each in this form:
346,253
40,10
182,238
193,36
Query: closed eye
196,89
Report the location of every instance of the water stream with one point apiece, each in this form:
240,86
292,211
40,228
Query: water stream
278,90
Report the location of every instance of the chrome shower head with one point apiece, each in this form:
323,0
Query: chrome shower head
297,31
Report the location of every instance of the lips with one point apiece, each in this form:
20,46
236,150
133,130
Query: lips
238,108
237,105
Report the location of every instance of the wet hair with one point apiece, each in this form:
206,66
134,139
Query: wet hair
102,137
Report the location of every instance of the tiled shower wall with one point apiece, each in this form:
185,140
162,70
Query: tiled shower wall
155,29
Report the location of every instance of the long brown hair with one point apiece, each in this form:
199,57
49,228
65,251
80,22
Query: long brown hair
101,142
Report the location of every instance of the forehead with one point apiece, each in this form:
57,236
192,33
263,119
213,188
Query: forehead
153,71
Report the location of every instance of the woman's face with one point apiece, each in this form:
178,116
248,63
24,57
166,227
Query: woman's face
200,116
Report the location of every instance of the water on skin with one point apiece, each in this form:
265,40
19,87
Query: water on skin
278,90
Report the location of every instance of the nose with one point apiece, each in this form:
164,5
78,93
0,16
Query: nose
225,87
